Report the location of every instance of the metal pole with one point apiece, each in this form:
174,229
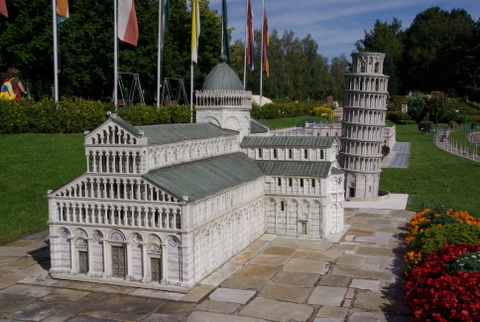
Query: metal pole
245,51
191,92
261,54
161,4
115,55
55,52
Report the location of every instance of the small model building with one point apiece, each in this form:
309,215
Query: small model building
166,205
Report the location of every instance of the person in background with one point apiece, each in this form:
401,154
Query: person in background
17,86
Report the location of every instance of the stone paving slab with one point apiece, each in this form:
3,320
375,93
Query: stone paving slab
307,266
274,310
354,276
12,302
34,311
258,271
294,294
296,279
231,295
217,307
217,317
245,282
122,308
327,295
198,293
269,260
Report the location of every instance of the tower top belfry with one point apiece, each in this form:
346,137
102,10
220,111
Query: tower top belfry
368,63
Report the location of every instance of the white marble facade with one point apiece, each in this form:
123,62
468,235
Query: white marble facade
165,205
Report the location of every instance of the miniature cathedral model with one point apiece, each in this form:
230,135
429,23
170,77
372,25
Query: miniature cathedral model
165,205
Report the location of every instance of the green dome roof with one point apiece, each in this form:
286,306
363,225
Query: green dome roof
222,77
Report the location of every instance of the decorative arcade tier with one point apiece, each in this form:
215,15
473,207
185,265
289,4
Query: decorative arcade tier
362,125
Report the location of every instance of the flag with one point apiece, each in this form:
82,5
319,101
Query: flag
165,19
266,42
3,8
195,29
250,35
62,10
226,42
127,22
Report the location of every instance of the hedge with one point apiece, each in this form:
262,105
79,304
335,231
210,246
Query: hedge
77,115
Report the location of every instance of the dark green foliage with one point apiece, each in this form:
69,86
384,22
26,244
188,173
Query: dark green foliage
86,46
397,117
311,119
469,262
385,150
452,233
78,115
283,110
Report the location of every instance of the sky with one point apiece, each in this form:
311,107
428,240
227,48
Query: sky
334,24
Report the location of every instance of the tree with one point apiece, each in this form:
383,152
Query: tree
439,107
435,45
86,46
339,66
417,106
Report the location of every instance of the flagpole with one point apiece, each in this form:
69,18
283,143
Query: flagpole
115,55
55,52
191,92
261,55
246,41
161,4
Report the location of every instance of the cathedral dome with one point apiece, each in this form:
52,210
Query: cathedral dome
222,77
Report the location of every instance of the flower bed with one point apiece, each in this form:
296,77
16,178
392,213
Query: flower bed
435,292
443,266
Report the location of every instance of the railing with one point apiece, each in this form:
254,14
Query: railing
443,140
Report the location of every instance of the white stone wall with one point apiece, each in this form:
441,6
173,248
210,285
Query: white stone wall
163,155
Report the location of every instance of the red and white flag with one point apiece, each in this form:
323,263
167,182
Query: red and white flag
3,8
127,22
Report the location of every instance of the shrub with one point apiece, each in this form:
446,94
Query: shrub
323,111
429,229
434,295
75,115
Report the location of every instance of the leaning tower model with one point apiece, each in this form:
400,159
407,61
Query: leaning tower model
362,125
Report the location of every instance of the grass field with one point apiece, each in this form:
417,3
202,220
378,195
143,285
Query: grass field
31,164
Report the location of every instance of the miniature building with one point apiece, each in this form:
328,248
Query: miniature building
363,125
163,206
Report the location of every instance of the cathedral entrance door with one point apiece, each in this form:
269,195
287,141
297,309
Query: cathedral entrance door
156,269
118,261
82,262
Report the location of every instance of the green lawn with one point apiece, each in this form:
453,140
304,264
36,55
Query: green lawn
434,177
31,164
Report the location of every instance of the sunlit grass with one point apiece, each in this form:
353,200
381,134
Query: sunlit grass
30,165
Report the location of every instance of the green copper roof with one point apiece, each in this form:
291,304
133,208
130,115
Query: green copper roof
203,178
121,122
169,133
287,141
296,168
257,127
222,77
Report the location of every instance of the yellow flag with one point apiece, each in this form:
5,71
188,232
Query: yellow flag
195,29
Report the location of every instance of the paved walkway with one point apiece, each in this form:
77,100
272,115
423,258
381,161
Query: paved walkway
354,276
398,157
